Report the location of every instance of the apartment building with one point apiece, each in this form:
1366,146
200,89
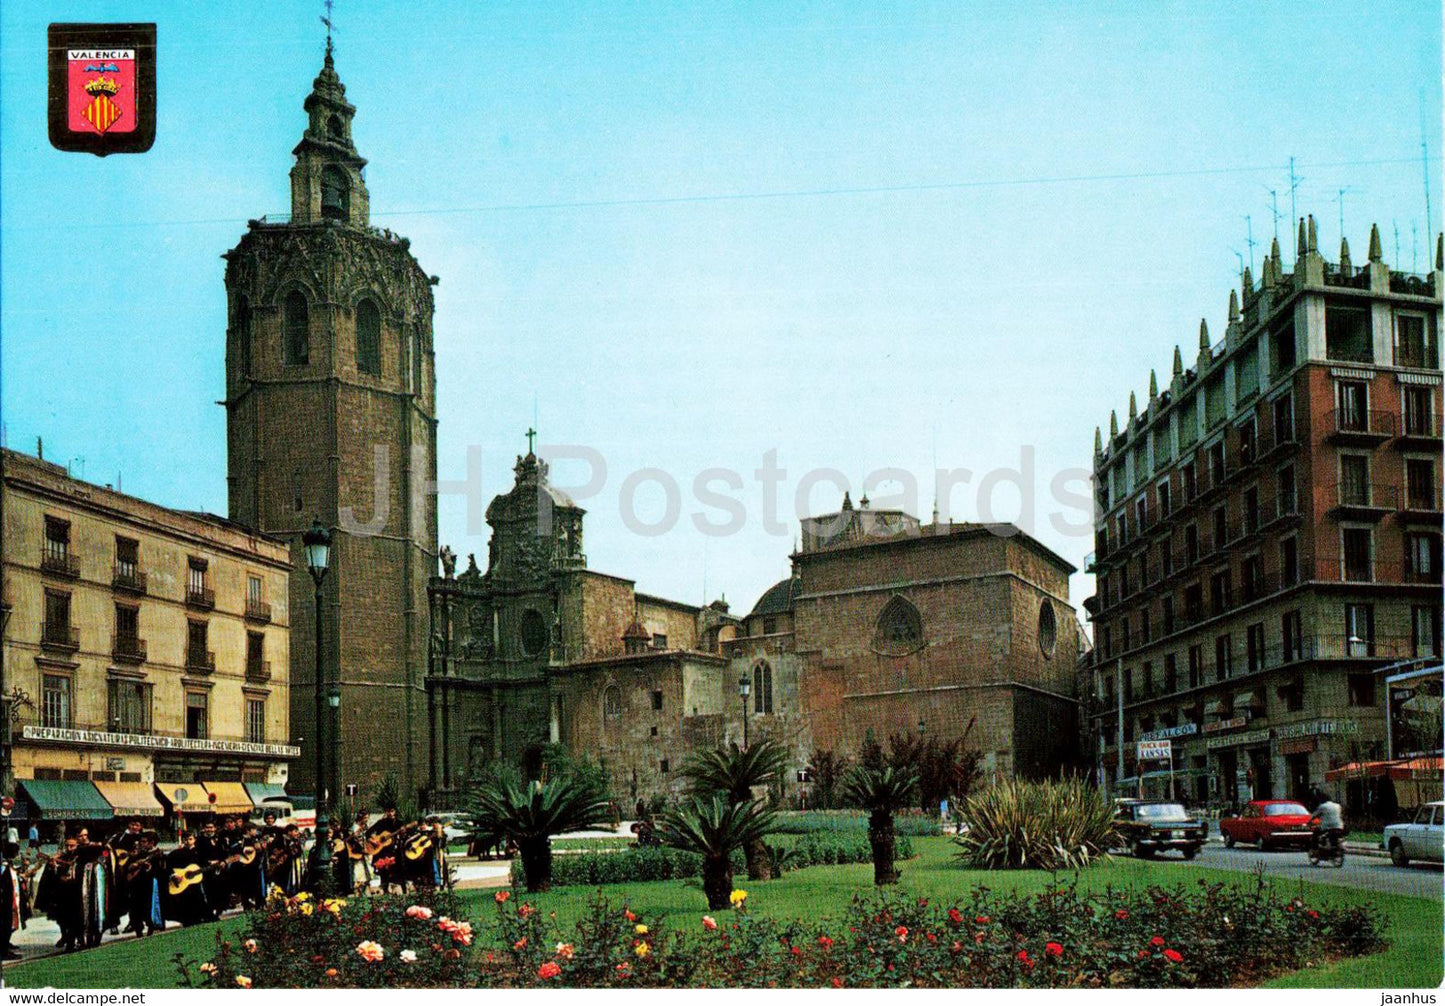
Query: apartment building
1268,535
142,644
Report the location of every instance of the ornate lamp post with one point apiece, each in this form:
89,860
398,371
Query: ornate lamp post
744,687
316,544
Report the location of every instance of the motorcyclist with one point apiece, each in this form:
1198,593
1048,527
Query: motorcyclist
1328,823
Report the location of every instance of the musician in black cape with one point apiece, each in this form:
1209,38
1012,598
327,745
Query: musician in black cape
10,895
145,875
189,905
213,851
59,895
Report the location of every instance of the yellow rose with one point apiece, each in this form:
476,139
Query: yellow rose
738,897
640,929
642,950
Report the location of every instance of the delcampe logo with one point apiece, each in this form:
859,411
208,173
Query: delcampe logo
102,87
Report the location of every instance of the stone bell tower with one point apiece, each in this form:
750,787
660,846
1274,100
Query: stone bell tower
331,414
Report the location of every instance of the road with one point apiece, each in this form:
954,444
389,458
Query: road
1360,872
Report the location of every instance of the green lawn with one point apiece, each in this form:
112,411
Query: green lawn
1413,925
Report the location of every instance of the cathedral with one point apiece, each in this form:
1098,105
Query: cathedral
885,626
331,415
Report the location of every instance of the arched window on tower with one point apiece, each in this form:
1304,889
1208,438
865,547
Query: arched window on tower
243,337
899,630
368,338
612,704
334,129
762,688
296,328
335,193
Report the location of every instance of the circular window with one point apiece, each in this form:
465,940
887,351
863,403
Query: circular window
1048,629
534,632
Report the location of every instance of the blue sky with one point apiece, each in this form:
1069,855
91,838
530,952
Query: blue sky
864,236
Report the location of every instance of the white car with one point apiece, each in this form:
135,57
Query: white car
1423,838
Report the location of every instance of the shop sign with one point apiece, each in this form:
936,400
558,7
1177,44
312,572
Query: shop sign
1164,733
1234,724
1155,751
1317,728
1253,737
1299,745
103,738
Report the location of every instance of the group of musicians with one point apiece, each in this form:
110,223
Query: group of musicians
90,887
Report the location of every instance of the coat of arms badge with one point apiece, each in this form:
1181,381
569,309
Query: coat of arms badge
102,87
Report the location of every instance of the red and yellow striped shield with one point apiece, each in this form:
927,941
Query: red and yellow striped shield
102,113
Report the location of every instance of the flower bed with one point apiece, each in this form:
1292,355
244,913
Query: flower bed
368,942
1212,936
637,864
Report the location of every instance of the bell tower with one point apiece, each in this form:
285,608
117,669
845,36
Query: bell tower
331,414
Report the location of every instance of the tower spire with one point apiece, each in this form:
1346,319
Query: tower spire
1153,386
1376,255
1178,363
1203,335
1345,264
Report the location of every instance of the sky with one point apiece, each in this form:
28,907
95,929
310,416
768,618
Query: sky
688,237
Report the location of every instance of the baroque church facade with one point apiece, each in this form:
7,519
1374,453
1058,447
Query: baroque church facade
331,415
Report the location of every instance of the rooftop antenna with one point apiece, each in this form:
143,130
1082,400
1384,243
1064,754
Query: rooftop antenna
1414,246
1397,242
1249,240
1274,208
1425,166
1294,181
1340,198
935,476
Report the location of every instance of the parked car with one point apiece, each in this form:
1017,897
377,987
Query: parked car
1269,824
1422,838
1147,827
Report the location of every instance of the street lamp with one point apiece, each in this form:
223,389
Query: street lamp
316,544
744,686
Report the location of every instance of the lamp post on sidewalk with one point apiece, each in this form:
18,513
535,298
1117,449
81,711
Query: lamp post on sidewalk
316,544
744,687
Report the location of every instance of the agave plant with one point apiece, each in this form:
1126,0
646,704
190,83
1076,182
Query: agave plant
713,827
881,791
531,813
735,772
1044,825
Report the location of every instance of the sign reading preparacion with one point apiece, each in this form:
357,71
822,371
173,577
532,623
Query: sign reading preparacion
1156,750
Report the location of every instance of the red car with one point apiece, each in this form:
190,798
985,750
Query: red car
1268,824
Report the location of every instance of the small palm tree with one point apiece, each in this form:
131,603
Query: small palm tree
531,813
735,772
713,827
881,790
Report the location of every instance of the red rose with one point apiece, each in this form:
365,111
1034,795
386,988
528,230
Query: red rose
797,951
955,916
1174,955
1023,956
1313,914
982,920
549,970
837,983
1156,941
1121,914
1143,953
1054,949
825,942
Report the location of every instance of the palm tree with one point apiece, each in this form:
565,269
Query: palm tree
735,772
713,827
531,813
881,790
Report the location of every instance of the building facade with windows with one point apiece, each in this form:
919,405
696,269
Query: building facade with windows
142,644
1268,535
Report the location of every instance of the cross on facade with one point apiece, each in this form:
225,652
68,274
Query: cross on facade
530,434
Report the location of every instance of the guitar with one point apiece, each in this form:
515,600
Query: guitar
186,877
417,846
384,840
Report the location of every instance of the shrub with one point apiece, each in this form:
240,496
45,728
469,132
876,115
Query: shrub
638,863
365,942
1045,825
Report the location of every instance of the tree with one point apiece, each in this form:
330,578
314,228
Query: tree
713,827
829,768
735,772
882,791
531,813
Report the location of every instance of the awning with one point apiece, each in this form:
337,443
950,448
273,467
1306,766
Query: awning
66,800
188,797
131,799
1248,700
231,798
259,792
1213,707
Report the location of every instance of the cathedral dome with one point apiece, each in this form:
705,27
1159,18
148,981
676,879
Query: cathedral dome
777,598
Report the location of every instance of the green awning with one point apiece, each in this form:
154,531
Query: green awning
66,800
260,791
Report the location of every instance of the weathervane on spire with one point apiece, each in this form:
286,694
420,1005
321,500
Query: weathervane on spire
326,20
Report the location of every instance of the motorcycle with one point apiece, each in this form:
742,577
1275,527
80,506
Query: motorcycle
1327,849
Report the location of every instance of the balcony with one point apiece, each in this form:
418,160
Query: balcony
128,649
1279,446
257,611
65,638
126,576
1360,501
1420,429
60,563
258,672
198,662
1356,426
200,597
1422,503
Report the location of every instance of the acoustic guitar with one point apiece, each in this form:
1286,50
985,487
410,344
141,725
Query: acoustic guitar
186,877
417,846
